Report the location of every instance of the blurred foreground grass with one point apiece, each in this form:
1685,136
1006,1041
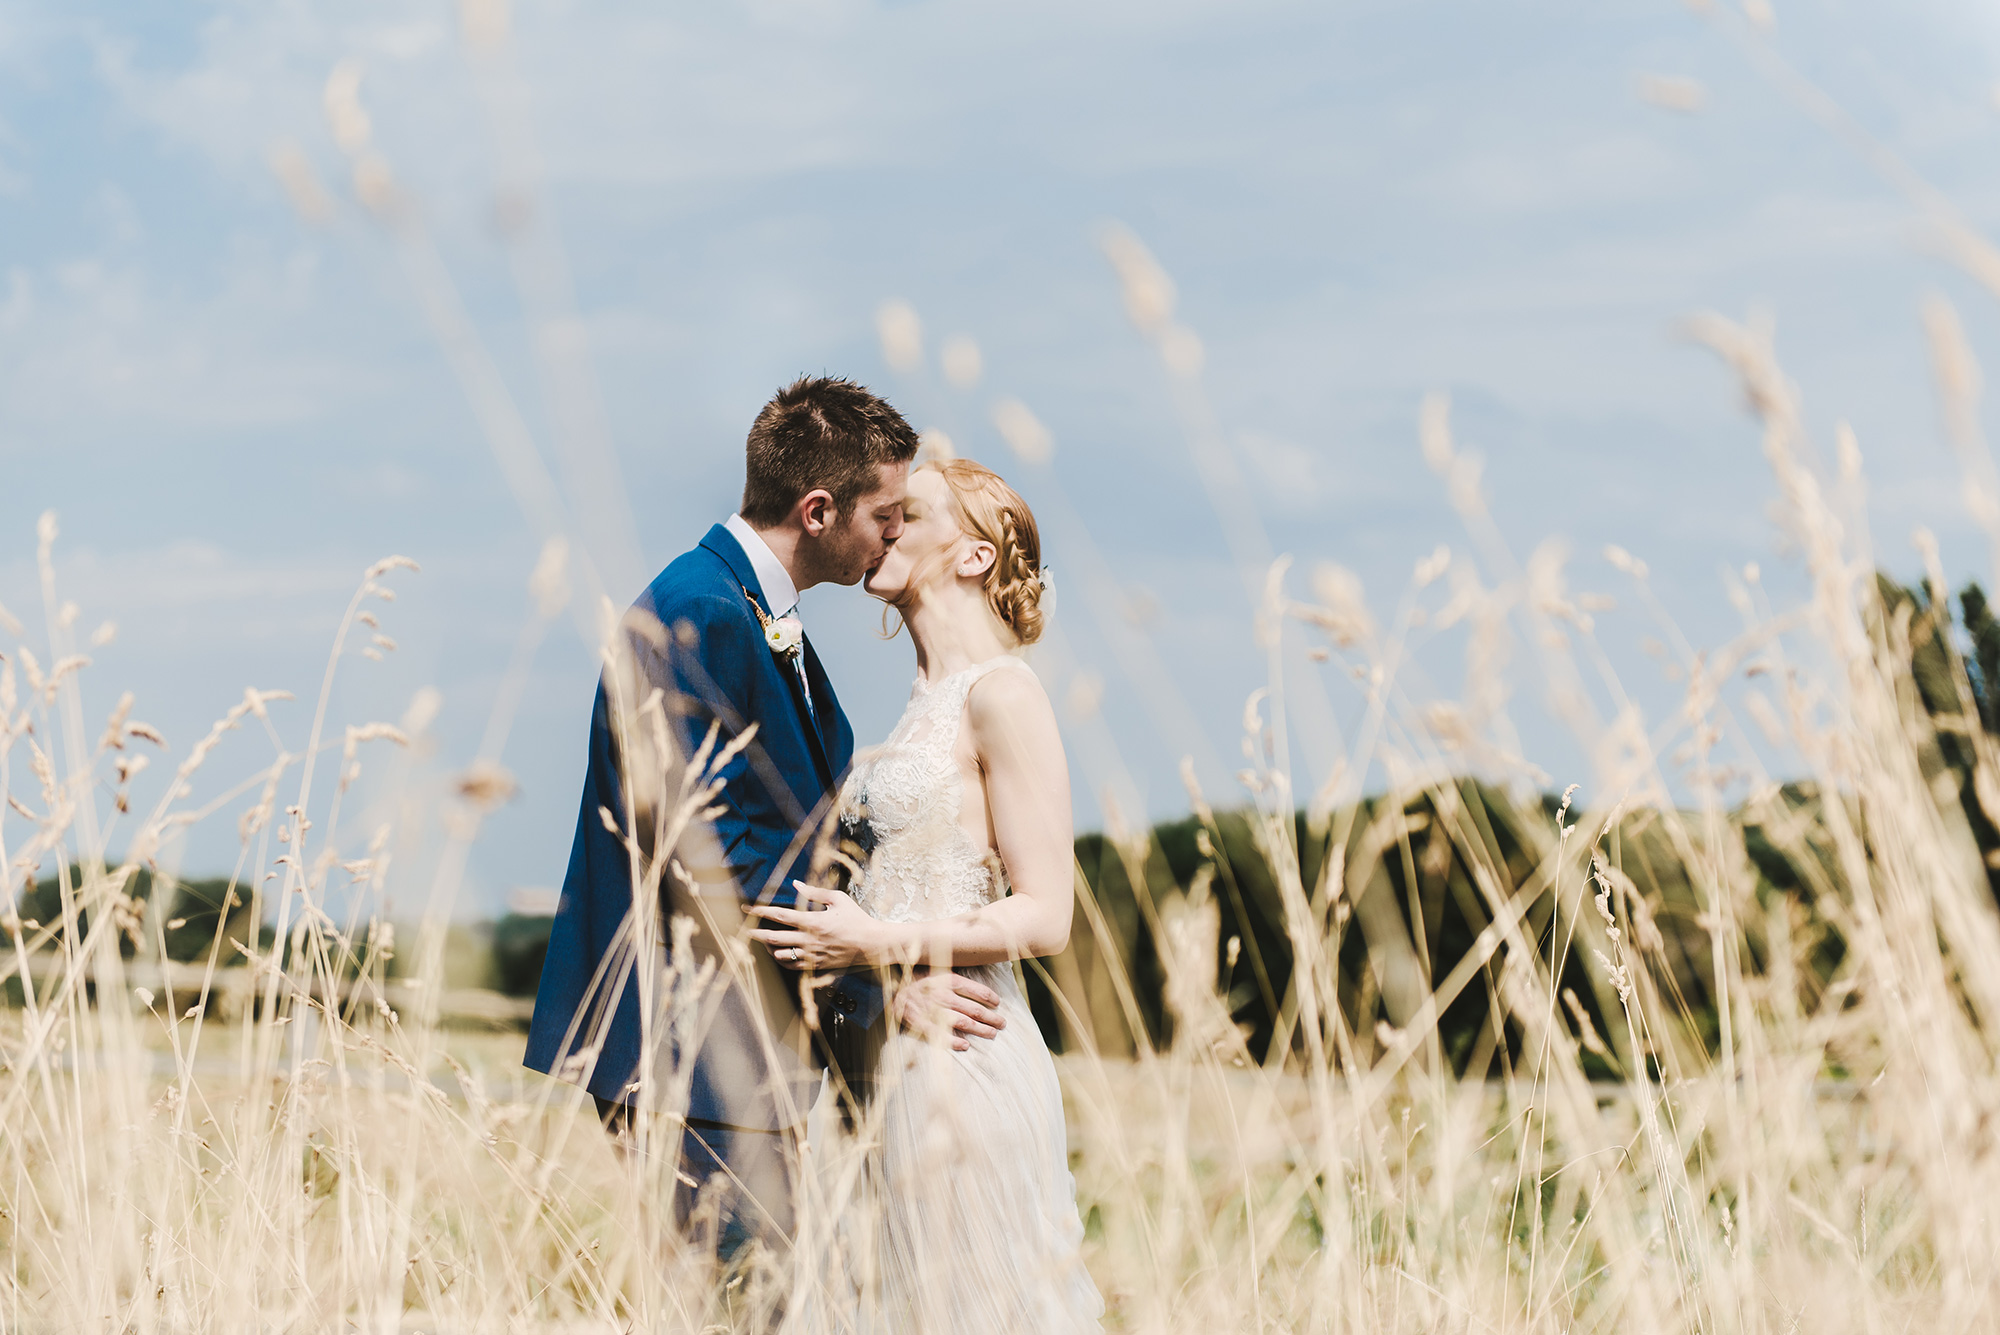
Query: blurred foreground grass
1712,1047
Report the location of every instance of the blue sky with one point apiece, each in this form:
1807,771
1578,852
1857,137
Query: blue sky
234,408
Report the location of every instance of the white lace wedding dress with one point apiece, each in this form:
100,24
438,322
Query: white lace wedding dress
960,1212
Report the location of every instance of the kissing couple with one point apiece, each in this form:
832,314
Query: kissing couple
799,957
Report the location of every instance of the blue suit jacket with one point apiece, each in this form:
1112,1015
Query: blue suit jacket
714,668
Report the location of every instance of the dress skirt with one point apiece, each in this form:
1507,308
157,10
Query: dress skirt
949,1208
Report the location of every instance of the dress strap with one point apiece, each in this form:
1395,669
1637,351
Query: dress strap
978,672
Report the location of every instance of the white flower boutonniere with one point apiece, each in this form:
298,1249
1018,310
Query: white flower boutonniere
784,635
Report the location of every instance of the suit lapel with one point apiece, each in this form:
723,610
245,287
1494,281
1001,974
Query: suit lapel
723,544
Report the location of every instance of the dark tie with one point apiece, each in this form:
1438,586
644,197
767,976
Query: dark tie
799,666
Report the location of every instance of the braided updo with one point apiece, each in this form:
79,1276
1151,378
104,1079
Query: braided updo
994,512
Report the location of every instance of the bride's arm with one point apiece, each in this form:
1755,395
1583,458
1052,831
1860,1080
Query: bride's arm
1013,732
1014,738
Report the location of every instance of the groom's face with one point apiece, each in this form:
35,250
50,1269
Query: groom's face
931,540
858,542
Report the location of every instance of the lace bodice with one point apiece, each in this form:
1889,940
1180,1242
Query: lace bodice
908,792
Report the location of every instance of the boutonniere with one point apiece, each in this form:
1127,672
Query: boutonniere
785,635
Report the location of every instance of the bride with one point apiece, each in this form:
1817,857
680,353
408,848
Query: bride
973,1226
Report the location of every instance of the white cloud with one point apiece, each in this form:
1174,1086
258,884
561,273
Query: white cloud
192,601
91,344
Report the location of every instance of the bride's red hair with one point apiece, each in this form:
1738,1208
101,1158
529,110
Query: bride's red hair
990,510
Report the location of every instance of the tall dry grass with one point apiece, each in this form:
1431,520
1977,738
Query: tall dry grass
316,1153
325,1157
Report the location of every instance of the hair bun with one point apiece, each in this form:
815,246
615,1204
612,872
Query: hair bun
1020,576
993,511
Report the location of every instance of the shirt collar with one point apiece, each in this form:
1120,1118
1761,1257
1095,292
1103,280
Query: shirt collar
779,591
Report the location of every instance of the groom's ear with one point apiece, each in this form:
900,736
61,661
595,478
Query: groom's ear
816,511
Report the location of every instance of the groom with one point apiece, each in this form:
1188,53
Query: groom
714,645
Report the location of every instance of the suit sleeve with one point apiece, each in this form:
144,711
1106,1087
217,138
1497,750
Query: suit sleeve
569,1035
706,658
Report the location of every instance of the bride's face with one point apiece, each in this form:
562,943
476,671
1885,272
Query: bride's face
931,545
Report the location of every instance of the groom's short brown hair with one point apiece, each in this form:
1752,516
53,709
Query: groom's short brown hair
817,432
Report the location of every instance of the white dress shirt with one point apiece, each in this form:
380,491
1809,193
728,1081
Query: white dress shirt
781,595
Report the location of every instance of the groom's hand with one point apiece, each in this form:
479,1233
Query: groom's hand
937,1000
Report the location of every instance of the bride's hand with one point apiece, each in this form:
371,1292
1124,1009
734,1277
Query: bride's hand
836,935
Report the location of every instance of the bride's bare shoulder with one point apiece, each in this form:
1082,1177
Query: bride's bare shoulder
1009,698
